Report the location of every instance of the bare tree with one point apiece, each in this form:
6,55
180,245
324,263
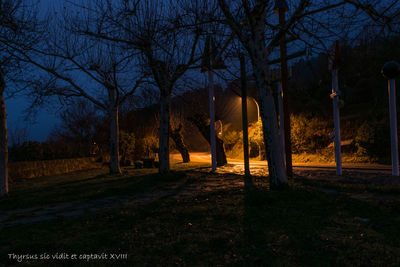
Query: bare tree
3,140
74,65
79,122
17,23
167,38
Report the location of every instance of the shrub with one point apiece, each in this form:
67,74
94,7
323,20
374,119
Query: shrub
373,139
309,133
126,145
231,137
145,147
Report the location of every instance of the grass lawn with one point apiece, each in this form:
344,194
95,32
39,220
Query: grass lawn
203,224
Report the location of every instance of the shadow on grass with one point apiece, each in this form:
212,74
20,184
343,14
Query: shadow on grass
300,226
85,188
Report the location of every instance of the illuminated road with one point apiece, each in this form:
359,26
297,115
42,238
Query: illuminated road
259,168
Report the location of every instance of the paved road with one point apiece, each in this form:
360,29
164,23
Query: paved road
237,165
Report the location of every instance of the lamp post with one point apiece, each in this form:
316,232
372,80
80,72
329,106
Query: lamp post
281,7
258,108
220,132
260,154
390,71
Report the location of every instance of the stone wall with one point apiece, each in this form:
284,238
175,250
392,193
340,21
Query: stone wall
34,169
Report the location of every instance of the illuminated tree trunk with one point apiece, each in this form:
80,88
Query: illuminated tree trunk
164,132
252,35
204,129
3,141
274,153
176,135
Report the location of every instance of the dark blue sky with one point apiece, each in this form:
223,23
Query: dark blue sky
40,127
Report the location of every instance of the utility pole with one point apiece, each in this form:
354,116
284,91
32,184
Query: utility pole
333,67
281,7
211,98
281,120
244,117
390,71
212,61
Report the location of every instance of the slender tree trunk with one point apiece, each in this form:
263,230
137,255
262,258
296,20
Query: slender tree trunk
177,136
274,152
114,141
3,141
164,132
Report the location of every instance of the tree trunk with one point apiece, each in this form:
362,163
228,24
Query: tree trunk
204,129
114,141
221,157
164,132
274,151
176,135
3,141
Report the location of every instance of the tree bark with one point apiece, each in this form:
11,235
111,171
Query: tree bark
204,129
252,36
3,141
221,156
274,151
164,132
176,135
114,141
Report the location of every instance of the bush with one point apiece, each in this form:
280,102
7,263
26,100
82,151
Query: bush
373,139
309,133
126,145
145,147
231,137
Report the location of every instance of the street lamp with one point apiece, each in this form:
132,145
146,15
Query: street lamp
258,123
258,108
220,127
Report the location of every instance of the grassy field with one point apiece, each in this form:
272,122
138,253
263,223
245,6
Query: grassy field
208,220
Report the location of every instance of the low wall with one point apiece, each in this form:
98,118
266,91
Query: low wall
34,169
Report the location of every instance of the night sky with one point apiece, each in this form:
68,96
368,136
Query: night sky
39,126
